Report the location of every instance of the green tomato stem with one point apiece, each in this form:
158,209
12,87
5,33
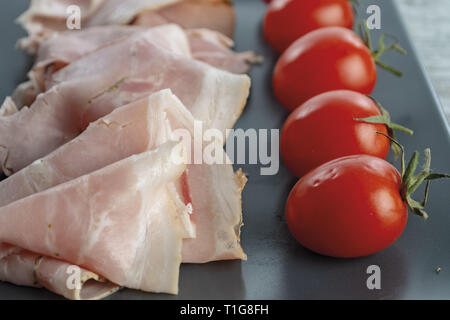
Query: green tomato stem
382,48
411,181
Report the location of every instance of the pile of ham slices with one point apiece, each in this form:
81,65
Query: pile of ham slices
87,145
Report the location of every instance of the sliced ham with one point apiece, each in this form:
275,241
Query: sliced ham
119,222
214,191
66,47
217,15
132,129
25,268
213,96
46,17
8,107
214,48
95,85
216,196
25,94
124,214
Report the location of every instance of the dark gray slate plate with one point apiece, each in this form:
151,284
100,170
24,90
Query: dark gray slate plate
277,267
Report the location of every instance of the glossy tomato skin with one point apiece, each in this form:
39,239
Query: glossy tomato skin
326,59
288,20
348,207
324,128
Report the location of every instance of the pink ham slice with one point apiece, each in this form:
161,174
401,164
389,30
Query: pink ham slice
95,85
217,15
216,193
120,222
25,268
214,96
25,94
66,47
46,17
214,190
132,129
214,48
8,107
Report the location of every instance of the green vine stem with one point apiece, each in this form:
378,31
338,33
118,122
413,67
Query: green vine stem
385,119
411,181
382,48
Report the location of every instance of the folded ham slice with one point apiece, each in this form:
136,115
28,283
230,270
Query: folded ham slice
46,17
8,107
120,214
217,15
26,268
132,129
214,191
119,222
214,48
93,86
66,47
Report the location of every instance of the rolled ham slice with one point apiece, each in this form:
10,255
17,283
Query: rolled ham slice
119,222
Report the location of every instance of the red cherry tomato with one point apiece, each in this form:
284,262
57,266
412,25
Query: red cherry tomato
326,59
348,207
288,20
324,128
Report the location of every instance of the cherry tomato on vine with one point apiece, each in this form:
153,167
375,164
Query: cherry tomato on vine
323,60
349,207
356,205
288,20
331,125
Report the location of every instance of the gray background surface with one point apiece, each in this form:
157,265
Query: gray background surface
428,23
277,267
